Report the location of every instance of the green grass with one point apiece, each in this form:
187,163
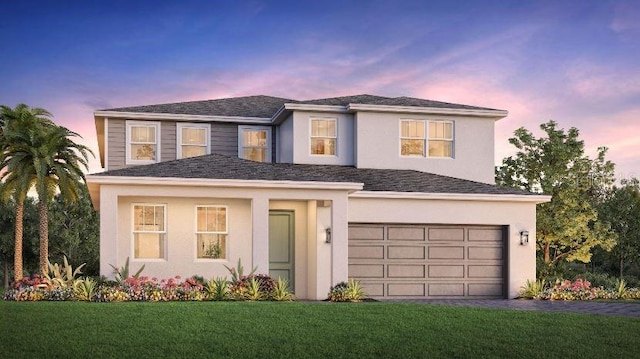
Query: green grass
305,330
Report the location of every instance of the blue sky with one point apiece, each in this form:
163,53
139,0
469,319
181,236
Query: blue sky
576,62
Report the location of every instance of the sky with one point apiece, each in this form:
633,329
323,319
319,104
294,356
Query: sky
576,62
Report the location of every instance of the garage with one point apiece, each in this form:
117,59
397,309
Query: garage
428,261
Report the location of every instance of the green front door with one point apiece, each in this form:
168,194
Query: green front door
281,246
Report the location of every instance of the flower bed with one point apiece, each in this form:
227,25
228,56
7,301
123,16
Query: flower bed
577,290
150,289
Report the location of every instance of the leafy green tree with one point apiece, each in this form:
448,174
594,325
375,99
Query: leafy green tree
622,209
568,227
17,128
75,232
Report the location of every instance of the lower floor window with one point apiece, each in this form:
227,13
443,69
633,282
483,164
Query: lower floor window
149,231
211,232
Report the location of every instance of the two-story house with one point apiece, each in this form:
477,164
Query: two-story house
395,192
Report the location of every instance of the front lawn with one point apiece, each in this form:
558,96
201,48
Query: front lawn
305,330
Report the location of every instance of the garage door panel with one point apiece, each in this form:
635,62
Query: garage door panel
442,252
406,234
366,270
485,253
446,289
373,289
366,252
485,271
406,290
366,233
485,235
485,289
428,261
446,271
405,271
405,252
446,234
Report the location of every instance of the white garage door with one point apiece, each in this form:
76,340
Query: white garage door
428,261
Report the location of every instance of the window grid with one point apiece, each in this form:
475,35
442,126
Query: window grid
426,138
323,136
193,140
211,232
255,145
143,143
149,231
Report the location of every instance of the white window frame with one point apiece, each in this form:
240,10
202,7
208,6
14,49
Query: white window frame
335,138
426,138
129,125
133,232
207,137
196,232
269,148
452,139
423,138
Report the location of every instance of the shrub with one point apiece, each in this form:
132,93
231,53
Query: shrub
61,276
122,273
281,291
599,279
533,289
85,290
217,289
346,292
237,273
253,287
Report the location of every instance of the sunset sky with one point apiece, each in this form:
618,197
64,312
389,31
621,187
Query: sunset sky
576,62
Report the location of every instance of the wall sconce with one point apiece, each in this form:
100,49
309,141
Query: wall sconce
524,238
327,238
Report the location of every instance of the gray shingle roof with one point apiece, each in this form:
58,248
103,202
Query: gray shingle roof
217,166
248,106
267,106
389,101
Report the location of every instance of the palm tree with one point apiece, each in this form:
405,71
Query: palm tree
58,165
16,125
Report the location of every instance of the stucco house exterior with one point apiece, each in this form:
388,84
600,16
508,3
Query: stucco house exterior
398,193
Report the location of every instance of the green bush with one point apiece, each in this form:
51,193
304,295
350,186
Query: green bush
346,292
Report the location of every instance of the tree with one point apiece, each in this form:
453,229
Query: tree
622,209
17,126
75,232
37,152
59,164
568,227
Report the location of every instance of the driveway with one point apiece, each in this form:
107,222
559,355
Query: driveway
631,309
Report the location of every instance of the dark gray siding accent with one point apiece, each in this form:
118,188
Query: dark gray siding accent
116,144
168,141
224,138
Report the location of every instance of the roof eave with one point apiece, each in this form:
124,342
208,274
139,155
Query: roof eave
484,197
180,117
496,114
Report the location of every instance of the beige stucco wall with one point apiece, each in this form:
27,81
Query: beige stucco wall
248,217
180,236
378,146
518,216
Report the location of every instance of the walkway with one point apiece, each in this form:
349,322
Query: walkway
631,309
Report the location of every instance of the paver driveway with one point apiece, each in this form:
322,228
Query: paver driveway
631,309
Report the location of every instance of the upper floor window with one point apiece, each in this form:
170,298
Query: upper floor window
426,138
323,136
440,139
149,231
254,143
193,140
142,142
211,232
